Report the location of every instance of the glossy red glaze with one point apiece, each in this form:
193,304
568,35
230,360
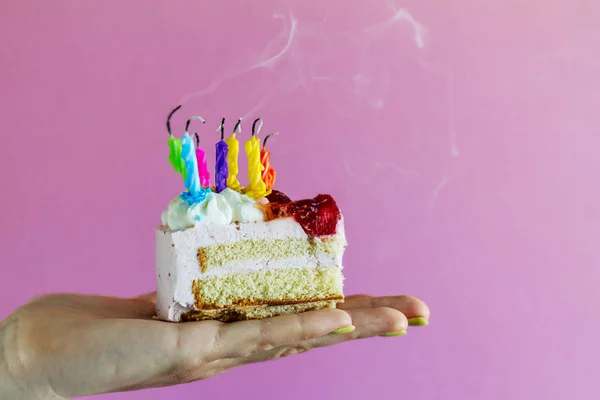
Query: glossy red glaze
278,197
318,216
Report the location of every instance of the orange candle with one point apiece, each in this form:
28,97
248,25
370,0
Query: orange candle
268,173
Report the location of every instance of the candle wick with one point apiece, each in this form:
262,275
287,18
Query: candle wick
197,139
189,121
267,137
254,126
222,129
169,120
238,126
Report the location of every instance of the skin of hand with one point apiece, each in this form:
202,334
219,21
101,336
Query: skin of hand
69,345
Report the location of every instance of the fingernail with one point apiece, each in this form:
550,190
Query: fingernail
397,333
348,329
417,321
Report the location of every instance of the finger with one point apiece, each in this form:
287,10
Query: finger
276,353
242,339
369,322
358,295
408,305
151,297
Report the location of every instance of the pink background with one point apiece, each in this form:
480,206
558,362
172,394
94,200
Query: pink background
460,138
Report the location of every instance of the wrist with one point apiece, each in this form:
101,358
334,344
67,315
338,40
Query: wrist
15,382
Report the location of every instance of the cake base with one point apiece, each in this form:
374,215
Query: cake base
256,312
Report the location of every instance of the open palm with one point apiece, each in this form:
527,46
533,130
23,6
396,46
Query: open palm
67,345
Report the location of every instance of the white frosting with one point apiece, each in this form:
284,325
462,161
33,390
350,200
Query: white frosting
243,207
178,265
219,208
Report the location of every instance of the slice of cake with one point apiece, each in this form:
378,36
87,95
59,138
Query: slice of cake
249,253
247,259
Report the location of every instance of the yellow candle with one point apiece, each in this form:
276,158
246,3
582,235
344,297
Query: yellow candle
256,186
232,159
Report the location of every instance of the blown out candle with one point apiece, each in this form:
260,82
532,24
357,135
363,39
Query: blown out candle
175,148
232,159
221,170
202,167
256,187
268,173
192,181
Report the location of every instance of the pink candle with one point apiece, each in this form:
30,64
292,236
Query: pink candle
202,168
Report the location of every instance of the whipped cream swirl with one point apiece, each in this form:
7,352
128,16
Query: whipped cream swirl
220,208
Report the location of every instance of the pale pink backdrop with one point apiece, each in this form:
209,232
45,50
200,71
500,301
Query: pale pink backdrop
461,139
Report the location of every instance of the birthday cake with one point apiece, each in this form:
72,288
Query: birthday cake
228,253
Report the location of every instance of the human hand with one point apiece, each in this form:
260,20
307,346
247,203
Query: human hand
67,345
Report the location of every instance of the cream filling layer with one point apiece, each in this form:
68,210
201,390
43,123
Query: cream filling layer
240,267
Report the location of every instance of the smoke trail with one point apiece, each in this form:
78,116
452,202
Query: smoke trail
401,15
300,54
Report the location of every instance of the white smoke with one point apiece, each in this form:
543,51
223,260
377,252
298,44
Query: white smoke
303,56
299,54
401,16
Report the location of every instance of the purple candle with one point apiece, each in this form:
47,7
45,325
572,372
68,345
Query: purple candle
222,170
